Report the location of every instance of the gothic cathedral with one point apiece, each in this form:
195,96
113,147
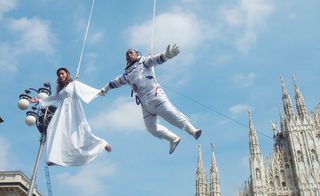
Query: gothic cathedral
292,169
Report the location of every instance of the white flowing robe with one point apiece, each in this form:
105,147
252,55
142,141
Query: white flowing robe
70,141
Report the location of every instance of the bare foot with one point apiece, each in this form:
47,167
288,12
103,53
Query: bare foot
108,148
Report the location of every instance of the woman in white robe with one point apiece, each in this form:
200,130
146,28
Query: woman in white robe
70,141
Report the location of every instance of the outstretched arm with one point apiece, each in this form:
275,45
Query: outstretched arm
45,101
162,57
116,83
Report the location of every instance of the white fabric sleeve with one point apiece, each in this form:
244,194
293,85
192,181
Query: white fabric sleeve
118,82
154,60
45,102
85,92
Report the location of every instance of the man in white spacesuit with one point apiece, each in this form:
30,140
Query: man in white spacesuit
139,74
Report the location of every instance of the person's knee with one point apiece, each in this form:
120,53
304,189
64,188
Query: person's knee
152,128
155,131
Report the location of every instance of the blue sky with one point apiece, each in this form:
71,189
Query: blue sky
233,54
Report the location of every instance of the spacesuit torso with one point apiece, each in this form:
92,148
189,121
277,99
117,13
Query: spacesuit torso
141,77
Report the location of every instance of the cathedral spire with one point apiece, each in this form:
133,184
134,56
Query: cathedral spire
282,123
214,176
274,129
256,161
287,105
201,178
301,106
253,139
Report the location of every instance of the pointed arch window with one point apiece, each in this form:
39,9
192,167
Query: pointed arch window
287,166
284,184
258,173
282,174
277,181
313,155
271,184
300,156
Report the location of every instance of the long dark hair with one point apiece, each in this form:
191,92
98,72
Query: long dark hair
62,84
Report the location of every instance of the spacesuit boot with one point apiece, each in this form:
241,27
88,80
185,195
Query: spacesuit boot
189,128
174,141
174,144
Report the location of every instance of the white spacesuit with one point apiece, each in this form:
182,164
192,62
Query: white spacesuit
139,74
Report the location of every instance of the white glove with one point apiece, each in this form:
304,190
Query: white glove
170,53
104,90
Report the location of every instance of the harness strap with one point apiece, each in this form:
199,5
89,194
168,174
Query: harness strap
138,102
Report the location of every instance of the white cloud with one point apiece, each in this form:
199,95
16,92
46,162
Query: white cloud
245,19
91,179
233,17
96,37
34,35
240,108
91,66
28,35
7,57
176,26
5,146
121,115
6,6
243,80
8,62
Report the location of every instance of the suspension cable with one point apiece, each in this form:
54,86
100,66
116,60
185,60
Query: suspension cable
213,110
153,27
84,40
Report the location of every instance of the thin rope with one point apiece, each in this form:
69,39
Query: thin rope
84,40
153,26
215,111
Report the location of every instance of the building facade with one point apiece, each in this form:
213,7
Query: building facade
15,183
293,167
